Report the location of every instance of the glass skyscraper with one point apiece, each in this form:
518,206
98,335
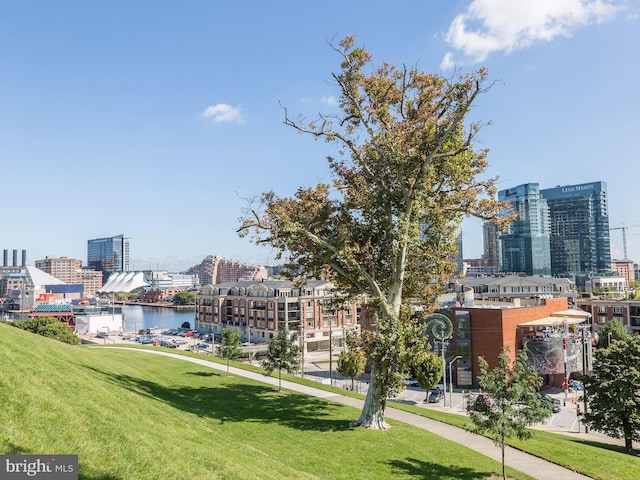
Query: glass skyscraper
109,254
525,246
579,218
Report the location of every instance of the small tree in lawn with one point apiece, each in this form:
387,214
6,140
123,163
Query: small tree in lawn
428,370
613,391
612,331
283,353
514,400
229,344
351,363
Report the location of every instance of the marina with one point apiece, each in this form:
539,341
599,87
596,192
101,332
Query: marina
139,317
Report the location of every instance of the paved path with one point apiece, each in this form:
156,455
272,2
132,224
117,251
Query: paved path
529,464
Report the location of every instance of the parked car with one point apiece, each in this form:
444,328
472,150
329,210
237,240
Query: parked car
102,335
576,385
413,382
168,343
434,395
556,409
188,333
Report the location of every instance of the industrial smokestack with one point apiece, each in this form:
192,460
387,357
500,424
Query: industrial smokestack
24,258
15,258
5,258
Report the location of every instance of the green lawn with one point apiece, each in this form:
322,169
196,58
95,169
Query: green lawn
134,416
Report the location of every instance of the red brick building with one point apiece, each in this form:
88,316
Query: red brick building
484,331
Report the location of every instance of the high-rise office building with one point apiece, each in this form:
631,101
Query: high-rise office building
525,246
109,254
490,241
459,253
579,219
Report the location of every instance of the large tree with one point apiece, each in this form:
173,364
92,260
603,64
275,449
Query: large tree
613,391
406,175
514,402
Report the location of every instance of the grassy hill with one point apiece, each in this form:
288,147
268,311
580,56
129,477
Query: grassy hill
129,415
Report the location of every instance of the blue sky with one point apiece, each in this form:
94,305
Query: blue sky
155,119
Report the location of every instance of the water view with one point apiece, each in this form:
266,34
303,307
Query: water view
137,317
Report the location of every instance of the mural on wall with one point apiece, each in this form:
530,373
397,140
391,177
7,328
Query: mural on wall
546,354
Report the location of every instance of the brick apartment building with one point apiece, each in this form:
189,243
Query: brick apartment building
258,308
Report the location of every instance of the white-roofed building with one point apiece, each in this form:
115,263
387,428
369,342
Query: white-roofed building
124,282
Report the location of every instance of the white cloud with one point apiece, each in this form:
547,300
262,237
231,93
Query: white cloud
329,100
223,113
490,26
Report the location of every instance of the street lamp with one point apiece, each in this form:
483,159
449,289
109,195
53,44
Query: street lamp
451,381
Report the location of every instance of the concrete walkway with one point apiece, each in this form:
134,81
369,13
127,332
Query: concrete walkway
529,464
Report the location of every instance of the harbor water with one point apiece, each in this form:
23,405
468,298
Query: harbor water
139,317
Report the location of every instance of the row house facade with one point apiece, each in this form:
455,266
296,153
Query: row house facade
259,308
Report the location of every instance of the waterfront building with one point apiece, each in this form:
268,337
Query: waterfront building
22,289
63,268
579,240
108,255
258,309
214,270
525,246
70,271
124,282
97,318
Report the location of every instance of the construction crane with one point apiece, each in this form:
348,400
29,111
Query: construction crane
623,227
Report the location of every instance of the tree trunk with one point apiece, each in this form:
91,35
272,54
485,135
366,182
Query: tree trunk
372,415
628,437
504,469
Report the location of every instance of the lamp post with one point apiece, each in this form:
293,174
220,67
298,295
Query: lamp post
330,352
444,376
451,381
584,371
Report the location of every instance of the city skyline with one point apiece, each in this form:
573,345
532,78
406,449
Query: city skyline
158,120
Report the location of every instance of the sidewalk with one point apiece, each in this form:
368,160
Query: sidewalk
533,466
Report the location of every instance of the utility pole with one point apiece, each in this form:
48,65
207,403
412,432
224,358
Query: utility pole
584,372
